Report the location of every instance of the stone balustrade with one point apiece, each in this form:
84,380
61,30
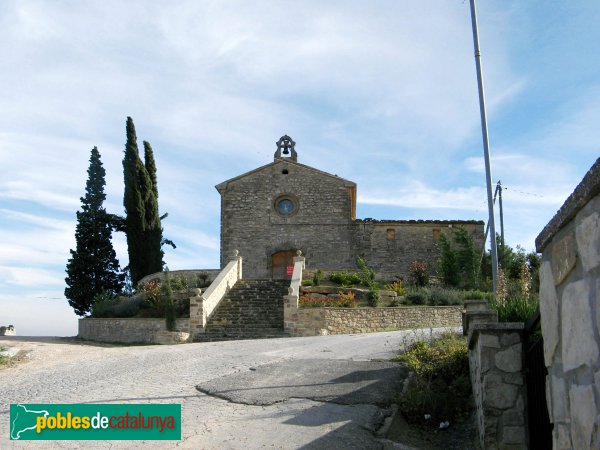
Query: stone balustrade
203,304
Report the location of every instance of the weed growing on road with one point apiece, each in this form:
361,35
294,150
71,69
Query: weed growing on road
440,389
3,357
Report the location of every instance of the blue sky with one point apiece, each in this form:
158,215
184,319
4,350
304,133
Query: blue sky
382,93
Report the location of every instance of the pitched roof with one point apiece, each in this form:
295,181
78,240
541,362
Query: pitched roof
222,186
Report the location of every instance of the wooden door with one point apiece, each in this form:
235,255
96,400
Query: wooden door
283,265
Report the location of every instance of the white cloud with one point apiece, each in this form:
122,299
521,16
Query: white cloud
30,276
418,195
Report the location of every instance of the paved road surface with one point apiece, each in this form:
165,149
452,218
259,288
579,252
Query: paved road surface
300,392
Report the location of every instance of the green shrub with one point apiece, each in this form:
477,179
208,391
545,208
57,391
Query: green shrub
367,275
3,358
178,283
167,303
318,277
441,386
440,296
373,297
307,282
106,305
476,295
345,278
515,309
417,297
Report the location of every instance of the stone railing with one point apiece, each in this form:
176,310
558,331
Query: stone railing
202,305
290,301
570,315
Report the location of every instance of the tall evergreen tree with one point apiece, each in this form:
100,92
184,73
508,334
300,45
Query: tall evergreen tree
142,222
93,267
153,220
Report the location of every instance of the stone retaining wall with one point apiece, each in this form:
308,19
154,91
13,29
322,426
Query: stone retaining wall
570,315
133,330
322,321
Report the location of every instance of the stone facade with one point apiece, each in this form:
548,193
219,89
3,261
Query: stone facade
133,330
286,206
570,315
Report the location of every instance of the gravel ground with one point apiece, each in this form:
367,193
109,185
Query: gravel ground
57,370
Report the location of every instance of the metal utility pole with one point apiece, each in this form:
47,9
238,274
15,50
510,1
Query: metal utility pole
499,189
486,148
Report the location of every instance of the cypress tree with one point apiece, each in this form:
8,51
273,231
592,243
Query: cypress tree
153,240
93,267
142,222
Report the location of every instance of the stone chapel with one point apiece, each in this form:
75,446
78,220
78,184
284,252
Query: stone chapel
271,212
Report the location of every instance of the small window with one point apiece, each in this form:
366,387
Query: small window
391,234
285,172
436,235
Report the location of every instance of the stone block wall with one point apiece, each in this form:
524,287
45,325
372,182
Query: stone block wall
496,369
389,246
132,330
570,315
323,321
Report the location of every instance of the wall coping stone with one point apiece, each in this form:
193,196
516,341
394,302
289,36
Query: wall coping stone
417,221
499,327
583,193
476,305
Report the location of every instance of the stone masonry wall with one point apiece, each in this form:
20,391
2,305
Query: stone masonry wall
498,382
570,316
323,321
130,330
390,246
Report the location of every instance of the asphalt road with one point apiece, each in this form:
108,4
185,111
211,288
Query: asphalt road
316,392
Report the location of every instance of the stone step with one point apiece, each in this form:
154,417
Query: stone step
252,309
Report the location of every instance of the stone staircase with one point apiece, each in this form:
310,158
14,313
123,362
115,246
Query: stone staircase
253,309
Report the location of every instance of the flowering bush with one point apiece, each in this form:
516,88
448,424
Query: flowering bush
343,301
152,289
419,273
398,288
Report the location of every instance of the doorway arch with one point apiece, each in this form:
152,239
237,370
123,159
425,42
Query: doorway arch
282,264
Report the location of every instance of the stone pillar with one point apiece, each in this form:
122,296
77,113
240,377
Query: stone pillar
496,368
196,313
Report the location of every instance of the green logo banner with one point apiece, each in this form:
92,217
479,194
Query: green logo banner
35,422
